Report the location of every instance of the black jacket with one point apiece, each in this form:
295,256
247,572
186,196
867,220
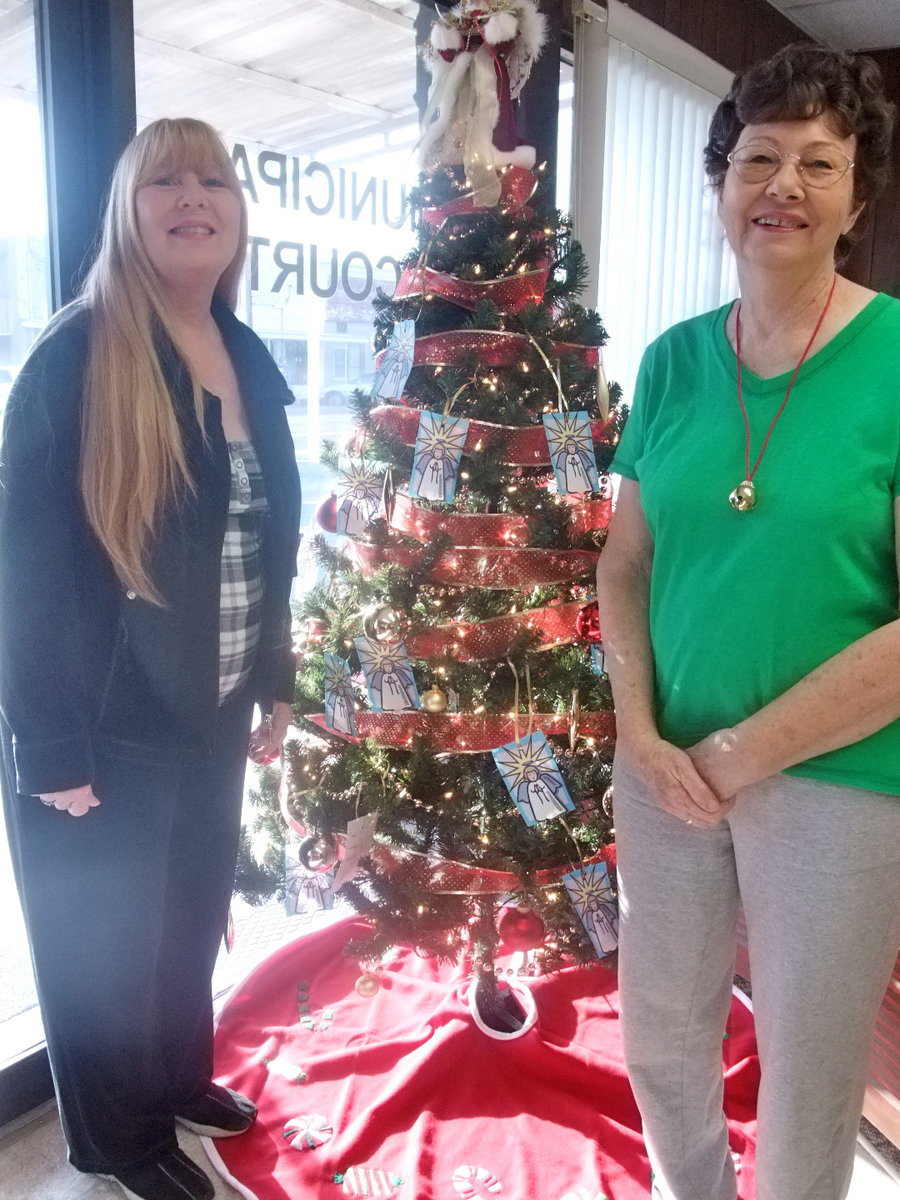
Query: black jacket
81,659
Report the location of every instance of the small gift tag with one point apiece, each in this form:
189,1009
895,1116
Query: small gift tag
360,839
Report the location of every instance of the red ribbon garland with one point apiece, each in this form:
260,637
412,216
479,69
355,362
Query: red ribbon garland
493,348
482,567
523,445
490,529
447,877
517,186
466,733
510,293
552,625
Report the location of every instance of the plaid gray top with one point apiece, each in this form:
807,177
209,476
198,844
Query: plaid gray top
242,579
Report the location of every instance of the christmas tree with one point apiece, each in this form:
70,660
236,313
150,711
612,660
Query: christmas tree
454,721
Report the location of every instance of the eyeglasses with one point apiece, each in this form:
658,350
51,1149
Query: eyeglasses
820,169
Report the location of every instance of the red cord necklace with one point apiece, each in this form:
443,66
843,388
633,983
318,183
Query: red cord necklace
744,496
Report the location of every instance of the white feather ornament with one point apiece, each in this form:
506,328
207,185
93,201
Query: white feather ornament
444,37
500,27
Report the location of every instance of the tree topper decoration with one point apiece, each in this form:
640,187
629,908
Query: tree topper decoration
480,55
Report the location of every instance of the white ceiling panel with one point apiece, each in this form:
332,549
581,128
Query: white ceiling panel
847,24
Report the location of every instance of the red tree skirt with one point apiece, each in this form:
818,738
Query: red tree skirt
421,1104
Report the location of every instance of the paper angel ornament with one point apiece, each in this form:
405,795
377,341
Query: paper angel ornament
591,893
389,678
439,446
572,452
480,57
339,707
532,778
360,498
397,363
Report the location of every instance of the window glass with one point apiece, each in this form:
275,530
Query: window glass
564,148
315,103
23,312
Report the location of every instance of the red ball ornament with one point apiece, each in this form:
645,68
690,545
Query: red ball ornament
326,514
587,624
521,929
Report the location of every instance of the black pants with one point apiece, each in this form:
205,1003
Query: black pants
125,909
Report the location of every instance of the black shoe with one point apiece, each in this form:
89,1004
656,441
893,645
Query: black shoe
219,1112
173,1176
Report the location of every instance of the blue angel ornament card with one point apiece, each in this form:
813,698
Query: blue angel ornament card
359,495
339,706
532,778
591,894
397,363
572,452
439,447
389,678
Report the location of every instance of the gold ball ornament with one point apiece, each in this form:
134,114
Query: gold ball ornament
367,985
434,700
743,498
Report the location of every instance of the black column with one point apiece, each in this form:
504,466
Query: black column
538,117
85,62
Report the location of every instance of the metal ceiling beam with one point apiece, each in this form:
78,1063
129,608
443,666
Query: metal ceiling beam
192,61
17,19
372,10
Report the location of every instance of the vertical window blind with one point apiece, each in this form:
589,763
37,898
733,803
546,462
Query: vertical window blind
663,254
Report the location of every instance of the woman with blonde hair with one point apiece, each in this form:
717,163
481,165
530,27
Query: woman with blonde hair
149,509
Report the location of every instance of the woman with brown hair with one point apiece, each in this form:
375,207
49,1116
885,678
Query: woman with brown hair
749,598
149,509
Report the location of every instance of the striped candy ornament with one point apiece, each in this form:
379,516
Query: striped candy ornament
368,1181
475,1183
308,1131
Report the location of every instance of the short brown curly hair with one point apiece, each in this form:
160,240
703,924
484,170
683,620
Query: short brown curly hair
800,82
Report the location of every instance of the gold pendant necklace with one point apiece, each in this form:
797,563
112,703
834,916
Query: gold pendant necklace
743,498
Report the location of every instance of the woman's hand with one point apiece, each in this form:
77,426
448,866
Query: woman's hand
674,780
75,801
723,763
268,736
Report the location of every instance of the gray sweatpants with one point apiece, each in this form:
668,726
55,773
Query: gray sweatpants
817,868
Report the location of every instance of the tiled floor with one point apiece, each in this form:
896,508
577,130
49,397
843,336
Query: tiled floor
33,1167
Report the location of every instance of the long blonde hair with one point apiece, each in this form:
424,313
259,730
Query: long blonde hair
132,456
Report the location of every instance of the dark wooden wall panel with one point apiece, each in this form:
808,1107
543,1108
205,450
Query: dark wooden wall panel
736,35
876,259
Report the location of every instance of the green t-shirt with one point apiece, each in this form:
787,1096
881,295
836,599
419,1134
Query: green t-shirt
743,605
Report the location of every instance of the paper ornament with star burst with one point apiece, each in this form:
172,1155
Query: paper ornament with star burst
360,497
397,363
592,896
389,678
439,447
532,778
572,452
339,706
